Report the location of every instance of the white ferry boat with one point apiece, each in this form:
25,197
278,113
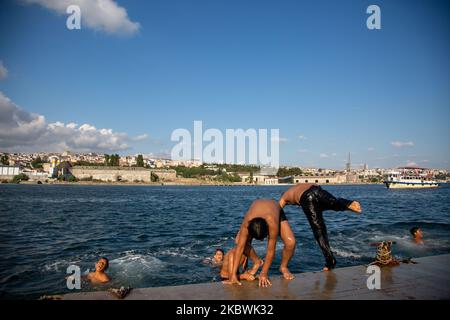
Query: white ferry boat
410,177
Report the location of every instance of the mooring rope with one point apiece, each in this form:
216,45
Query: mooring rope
384,255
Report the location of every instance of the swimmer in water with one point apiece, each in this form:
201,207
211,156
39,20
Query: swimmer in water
217,260
99,275
228,264
417,235
261,221
218,257
313,200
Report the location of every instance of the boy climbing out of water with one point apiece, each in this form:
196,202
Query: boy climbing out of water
228,265
261,221
99,275
313,200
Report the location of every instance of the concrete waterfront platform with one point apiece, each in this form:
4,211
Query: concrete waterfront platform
428,279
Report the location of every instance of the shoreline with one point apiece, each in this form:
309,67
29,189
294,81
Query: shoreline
173,183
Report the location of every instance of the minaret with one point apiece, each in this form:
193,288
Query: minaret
349,164
349,177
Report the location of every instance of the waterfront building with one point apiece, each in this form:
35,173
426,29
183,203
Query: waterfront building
8,172
121,174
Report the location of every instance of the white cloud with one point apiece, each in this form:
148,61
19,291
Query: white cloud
400,144
302,137
87,127
334,154
323,155
370,149
17,125
164,154
21,130
3,71
140,138
102,15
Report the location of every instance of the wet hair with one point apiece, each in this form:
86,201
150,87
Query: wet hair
219,249
258,228
413,230
106,264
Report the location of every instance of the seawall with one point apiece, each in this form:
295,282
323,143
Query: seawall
429,278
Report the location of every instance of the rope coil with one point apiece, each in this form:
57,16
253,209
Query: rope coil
384,254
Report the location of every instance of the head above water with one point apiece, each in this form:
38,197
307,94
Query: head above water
416,232
102,264
218,256
258,228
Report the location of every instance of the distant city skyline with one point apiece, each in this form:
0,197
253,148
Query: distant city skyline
96,157
137,70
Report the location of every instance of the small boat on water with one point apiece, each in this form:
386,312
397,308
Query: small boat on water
409,178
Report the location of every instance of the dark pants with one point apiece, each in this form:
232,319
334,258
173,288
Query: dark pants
314,201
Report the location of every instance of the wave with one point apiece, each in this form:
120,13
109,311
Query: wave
345,254
132,265
180,252
132,258
60,265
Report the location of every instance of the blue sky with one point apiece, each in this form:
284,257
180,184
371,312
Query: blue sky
310,68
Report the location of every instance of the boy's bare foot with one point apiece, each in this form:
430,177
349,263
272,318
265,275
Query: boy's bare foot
234,281
287,274
355,206
255,267
247,276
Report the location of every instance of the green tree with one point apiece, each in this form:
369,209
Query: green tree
154,177
112,160
116,159
140,160
193,172
106,159
36,163
285,172
71,178
20,177
229,177
251,177
5,159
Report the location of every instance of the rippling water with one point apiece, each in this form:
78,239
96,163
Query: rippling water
157,236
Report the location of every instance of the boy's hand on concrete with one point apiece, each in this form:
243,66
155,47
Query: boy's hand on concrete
264,281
